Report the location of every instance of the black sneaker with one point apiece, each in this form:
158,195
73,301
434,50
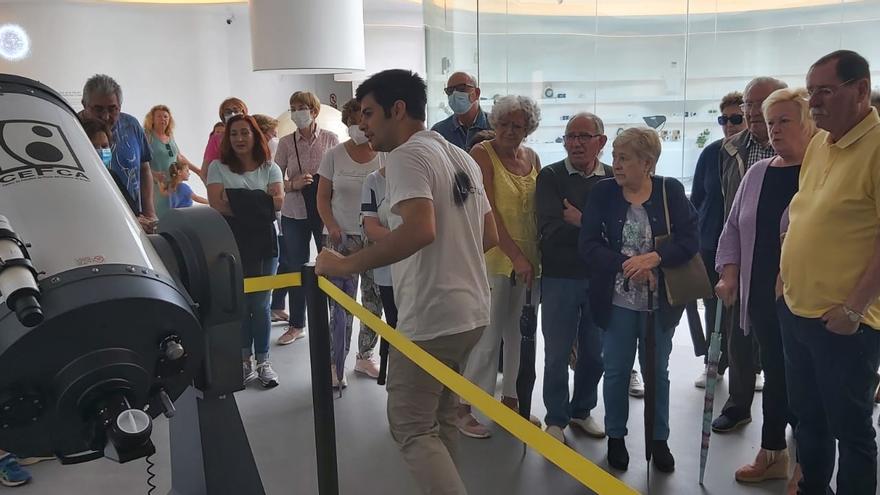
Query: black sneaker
726,424
618,456
662,457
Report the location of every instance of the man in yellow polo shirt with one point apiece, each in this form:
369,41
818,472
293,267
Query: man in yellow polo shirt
831,277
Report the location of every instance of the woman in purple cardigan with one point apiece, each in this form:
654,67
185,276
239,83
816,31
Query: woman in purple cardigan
748,261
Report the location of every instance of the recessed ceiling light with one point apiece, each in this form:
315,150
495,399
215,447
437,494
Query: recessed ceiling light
14,42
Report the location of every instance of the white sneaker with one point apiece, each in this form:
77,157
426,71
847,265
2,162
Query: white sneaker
636,387
701,380
267,376
556,432
759,382
590,426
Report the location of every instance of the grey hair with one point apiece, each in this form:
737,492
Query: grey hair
511,103
597,122
101,84
772,81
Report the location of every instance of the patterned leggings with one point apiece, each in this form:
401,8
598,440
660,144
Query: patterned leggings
370,299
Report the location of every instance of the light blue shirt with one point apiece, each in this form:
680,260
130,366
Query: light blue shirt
267,173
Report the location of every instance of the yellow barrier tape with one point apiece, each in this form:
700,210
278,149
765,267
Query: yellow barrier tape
570,461
260,284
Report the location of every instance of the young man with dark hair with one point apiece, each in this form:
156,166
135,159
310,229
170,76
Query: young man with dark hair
830,272
442,228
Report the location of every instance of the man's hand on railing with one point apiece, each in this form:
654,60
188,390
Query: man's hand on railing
331,264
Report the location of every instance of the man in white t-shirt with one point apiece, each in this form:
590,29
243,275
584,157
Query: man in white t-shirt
443,226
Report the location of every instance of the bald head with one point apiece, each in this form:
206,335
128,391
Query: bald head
461,78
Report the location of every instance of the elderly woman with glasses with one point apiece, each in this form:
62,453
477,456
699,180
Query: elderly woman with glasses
620,222
510,171
748,260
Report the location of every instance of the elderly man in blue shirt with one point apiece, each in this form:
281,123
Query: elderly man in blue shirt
102,99
467,118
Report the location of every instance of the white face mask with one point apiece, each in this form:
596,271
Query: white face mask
302,118
357,135
460,102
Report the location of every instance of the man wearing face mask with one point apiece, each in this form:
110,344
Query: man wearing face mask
299,155
468,118
100,135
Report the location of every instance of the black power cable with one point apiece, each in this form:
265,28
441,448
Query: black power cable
151,476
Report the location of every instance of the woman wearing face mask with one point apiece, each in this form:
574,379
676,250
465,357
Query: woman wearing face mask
246,188
159,129
510,172
299,155
748,260
342,172
229,108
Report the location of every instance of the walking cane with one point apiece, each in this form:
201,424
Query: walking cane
650,380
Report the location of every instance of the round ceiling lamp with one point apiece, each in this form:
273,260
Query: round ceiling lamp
14,42
307,37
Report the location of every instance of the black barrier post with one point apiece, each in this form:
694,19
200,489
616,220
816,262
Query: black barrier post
322,388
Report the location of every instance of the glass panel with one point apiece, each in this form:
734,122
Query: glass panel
643,84
451,45
664,63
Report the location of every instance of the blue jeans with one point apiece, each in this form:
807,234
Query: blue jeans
626,329
297,234
831,382
566,317
256,324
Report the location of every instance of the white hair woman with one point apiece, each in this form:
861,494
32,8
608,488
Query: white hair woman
510,172
617,243
748,260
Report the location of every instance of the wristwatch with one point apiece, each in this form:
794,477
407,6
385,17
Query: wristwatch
853,315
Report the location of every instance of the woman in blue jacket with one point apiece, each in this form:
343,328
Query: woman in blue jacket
620,222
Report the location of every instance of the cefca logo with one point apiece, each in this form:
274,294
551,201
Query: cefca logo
33,150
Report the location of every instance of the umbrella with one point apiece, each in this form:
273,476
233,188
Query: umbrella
711,380
525,378
649,374
696,328
383,362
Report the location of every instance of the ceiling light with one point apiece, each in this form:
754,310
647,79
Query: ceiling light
14,42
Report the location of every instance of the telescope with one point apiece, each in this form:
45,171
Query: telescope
103,327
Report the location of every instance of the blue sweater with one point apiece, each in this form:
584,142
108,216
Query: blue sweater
601,240
707,197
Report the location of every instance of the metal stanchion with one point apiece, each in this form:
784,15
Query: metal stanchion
322,391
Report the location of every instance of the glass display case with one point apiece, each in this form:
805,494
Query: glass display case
661,63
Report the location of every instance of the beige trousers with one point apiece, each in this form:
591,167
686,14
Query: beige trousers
422,413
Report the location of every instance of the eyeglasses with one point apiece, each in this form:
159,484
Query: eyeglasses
825,91
170,151
735,119
582,137
462,88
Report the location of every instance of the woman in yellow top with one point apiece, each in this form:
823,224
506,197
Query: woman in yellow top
510,172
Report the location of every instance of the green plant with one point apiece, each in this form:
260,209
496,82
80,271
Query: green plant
702,138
